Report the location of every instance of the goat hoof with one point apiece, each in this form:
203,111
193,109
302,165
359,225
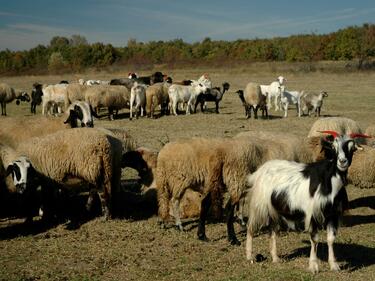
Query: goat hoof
203,237
235,242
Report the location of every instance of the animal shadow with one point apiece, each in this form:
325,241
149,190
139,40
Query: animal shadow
353,256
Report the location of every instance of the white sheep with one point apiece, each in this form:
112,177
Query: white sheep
302,197
137,97
112,97
253,98
8,94
89,155
182,94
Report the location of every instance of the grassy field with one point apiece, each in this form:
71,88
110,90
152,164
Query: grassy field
137,249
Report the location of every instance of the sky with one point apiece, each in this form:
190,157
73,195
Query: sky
26,23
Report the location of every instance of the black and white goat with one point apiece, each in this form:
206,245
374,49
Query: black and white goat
302,197
213,94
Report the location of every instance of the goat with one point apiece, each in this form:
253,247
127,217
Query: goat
213,94
312,102
302,196
290,97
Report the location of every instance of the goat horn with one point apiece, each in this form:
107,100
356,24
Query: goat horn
354,135
333,133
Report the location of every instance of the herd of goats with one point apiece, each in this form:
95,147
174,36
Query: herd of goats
274,180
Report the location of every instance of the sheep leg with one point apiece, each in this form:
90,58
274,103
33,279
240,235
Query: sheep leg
176,213
2,108
217,106
255,109
205,205
313,261
331,235
230,224
273,248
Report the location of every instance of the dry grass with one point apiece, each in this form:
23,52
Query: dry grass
124,249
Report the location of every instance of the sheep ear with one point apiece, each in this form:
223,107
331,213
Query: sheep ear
9,170
72,113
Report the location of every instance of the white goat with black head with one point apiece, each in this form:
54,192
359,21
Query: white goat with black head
302,197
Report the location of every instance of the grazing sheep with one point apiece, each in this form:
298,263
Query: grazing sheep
137,96
312,102
15,172
88,155
303,197
274,90
208,166
8,94
290,97
14,130
188,94
112,97
213,94
252,98
157,94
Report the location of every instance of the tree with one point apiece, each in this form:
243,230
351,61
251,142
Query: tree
56,62
77,40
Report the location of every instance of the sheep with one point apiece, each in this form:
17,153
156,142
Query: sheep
157,94
302,197
361,172
290,97
113,97
15,172
208,166
137,96
53,98
342,125
274,90
75,92
252,98
188,94
370,131
88,155
312,102
213,94
14,130
8,94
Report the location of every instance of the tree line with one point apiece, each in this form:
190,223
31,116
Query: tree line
76,54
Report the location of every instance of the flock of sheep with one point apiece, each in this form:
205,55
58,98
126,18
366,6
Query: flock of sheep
272,179
144,94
